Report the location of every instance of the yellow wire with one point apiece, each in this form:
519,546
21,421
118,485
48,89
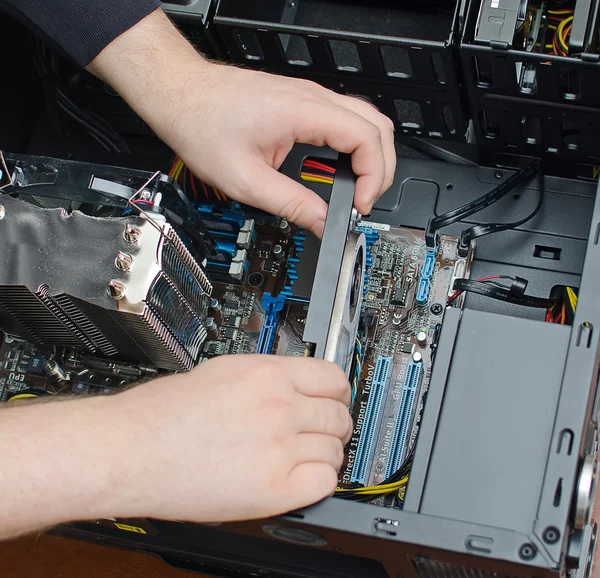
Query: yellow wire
560,30
386,488
22,396
572,298
325,181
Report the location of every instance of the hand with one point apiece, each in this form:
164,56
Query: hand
239,437
246,123
234,127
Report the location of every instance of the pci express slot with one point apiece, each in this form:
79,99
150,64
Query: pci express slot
402,427
425,280
383,368
272,306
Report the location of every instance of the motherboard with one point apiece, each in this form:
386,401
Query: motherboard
252,295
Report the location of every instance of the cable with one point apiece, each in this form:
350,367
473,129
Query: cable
479,204
319,166
514,294
22,396
482,230
562,33
193,184
313,178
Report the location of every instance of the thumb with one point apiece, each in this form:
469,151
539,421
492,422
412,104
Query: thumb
282,196
309,483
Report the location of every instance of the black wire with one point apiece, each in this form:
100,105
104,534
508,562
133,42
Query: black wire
184,199
479,204
480,230
501,294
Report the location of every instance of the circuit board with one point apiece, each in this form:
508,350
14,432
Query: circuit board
396,361
405,294
62,370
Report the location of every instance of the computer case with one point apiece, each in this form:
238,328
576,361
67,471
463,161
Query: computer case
503,475
502,478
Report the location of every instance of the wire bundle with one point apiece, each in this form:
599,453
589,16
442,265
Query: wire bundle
563,311
183,175
394,485
562,23
314,171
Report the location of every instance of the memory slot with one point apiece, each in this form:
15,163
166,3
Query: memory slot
383,368
403,422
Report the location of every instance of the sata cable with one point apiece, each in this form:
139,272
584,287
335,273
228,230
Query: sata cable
480,230
502,293
479,204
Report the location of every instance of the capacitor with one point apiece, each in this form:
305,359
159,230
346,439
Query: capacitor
397,319
215,305
211,326
278,251
52,369
422,338
284,226
417,357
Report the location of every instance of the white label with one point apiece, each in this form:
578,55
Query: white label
376,226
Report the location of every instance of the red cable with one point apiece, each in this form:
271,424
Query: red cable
204,190
320,166
193,183
482,280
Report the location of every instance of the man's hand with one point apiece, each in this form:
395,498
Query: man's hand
234,127
239,437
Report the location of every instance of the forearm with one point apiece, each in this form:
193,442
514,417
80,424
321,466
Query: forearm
62,461
153,66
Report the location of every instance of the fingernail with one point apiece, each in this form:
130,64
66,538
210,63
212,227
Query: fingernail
319,228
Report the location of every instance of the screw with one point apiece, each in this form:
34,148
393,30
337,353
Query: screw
498,174
124,261
117,289
436,308
132,233
551,535
527,552
146,194
2,212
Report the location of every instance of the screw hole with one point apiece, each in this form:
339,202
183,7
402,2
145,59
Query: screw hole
449,186
516,196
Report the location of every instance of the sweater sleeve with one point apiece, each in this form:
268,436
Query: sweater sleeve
81,28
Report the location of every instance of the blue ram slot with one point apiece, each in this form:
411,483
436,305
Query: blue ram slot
383,368
423,291
272,306
404,418
428,265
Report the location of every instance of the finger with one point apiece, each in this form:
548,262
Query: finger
386,126
286,198
346,131
308,447
309,483
317,378
324,416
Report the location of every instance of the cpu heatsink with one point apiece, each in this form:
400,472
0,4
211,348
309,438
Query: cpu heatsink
116,286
